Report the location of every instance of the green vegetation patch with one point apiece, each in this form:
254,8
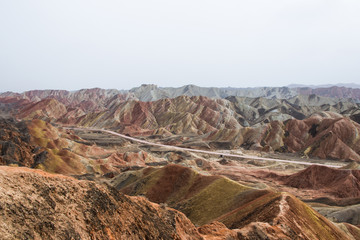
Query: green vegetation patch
212,202
312,223
261,209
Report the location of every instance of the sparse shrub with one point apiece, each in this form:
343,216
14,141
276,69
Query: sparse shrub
163,205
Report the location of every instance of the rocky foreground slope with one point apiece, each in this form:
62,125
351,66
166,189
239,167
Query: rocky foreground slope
39,205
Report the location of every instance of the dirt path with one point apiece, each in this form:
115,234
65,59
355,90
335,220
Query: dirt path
203,151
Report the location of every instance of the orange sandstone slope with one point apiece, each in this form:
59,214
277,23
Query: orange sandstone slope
253,213
39,205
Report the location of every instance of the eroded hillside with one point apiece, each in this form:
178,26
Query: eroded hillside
252,183
309,125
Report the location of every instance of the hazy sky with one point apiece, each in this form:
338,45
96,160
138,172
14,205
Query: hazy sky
74,44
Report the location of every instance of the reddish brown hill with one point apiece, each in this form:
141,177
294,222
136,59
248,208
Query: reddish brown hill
180,115
252,213
338,182
202,198
14,101
47,108
334,137
9,106
324,135
39,205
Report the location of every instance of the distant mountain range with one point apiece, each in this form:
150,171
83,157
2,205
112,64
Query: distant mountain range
347,85
151,92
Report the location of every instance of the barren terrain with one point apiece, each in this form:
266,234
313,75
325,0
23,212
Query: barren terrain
191,167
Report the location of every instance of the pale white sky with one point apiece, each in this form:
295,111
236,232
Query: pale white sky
74,44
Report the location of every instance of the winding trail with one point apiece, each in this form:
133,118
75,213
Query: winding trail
200,151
